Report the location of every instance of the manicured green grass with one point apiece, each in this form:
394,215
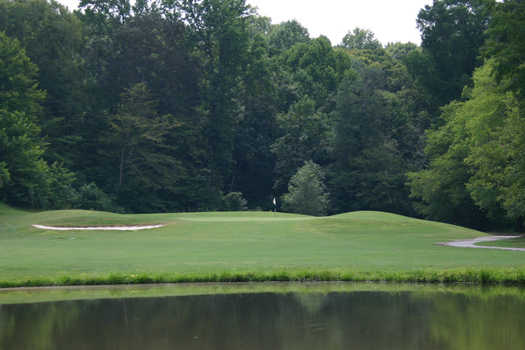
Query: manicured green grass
242,246
518,242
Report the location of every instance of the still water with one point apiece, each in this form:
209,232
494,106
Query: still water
272,320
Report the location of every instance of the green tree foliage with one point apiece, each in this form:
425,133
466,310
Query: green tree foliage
315,69
20,101
26,178
306,191
388,139
234,201
399,51
150,45
257,128
311,75
474,160
513,190
441,188
21,152
506,43
496,147
452,33
19,89
107,11
305,136
285,35
52,38
91,197
477,155
142,160
259,26
361,39
368,172
221,30
4,174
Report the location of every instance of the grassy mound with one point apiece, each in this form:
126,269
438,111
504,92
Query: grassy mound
241,246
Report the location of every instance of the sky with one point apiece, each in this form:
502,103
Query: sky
390,20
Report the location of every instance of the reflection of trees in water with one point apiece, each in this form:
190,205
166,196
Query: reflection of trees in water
471,322
360,320
37,326
367,320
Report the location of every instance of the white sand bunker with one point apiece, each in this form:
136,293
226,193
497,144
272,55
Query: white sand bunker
99,228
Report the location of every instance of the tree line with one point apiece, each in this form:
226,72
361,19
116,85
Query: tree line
192,105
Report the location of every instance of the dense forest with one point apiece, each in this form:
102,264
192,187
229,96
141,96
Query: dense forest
195,105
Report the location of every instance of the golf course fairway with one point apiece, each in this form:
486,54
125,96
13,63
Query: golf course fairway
242,246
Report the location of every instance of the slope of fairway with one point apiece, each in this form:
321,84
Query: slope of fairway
231,242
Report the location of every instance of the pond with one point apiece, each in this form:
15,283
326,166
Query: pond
316,316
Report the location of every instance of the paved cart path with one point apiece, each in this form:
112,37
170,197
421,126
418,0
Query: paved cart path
471,243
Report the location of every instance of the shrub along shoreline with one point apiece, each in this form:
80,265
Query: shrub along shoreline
482,276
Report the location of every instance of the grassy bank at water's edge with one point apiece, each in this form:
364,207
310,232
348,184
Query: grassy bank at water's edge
34,295
242,247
